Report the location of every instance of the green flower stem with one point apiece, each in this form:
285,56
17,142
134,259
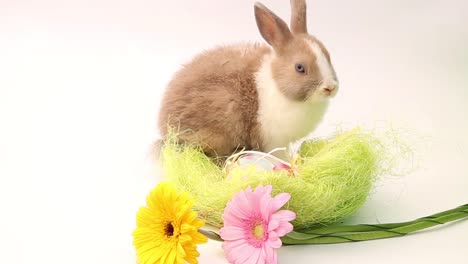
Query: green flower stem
211,234
355,233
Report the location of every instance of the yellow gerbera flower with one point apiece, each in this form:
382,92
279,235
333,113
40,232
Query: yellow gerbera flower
167,228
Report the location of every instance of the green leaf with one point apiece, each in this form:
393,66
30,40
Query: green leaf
355,233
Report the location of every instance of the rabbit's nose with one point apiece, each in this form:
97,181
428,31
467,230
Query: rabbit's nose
330,89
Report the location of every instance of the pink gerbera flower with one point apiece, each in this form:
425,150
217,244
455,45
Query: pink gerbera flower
253,226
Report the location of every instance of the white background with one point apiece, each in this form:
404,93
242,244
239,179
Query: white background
80,85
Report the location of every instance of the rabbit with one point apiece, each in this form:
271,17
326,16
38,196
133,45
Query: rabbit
252,96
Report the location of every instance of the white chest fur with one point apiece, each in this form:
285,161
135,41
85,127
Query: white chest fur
282,120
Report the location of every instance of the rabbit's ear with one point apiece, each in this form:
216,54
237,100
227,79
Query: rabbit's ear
298,16
273,29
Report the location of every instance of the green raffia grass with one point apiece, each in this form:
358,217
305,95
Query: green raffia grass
334,178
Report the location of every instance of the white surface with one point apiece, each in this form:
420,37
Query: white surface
80,84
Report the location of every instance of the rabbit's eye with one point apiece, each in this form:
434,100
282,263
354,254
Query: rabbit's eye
300,68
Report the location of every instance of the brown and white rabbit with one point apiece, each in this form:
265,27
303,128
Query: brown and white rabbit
253,96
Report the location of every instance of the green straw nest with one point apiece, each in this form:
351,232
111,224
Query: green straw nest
333,178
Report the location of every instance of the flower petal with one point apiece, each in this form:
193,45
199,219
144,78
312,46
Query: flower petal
229,245
273,224
280,200
275,257
237,253
272,235
256,256
265,206
262,258
264,189
245,254
284,229
239,206
232,233
270,255
274,243
285,215
185,227
231,219
198,238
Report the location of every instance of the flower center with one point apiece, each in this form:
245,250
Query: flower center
169,229
258,231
